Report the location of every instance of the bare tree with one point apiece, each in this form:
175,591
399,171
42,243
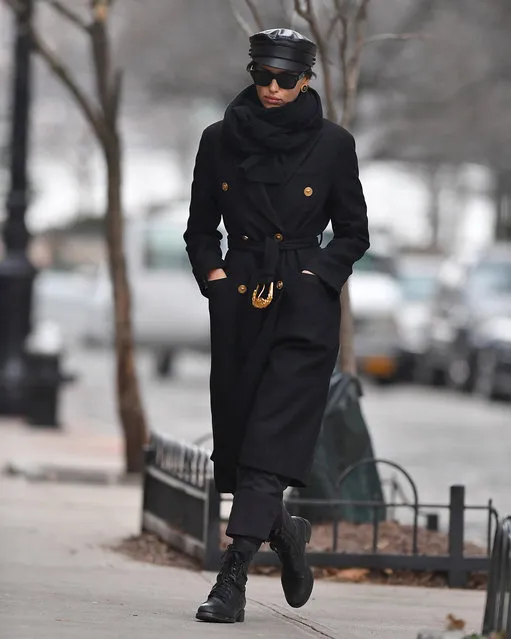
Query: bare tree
351,19
434,101
101,110
243,24
345,28
352,22
338,27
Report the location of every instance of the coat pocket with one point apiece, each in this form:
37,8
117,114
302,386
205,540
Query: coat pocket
214,285
313,281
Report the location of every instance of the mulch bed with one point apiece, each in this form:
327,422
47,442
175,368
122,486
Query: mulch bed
393,538
151,549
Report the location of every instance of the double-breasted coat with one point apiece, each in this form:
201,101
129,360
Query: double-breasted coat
271,367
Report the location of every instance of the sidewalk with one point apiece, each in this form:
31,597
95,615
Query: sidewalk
59,580
77,448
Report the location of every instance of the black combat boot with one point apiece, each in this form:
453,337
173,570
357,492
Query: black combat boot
289,542
226,601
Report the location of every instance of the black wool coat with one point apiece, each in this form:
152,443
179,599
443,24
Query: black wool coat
271,367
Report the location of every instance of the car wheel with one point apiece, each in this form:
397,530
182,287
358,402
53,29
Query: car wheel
383,381
406,368
164,364
485,374
460,372
427,373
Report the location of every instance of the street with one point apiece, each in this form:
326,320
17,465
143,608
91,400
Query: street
441,438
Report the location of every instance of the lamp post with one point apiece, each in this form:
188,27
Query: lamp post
16,272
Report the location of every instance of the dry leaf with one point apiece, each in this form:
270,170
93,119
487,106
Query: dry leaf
455,624
354,575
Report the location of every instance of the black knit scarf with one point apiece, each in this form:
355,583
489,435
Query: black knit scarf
271,143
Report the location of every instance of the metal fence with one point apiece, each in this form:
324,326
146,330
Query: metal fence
181,506
180,503
497,614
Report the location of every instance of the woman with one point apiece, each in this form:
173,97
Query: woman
277,173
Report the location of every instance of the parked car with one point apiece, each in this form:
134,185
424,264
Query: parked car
375,298
61,297
468,337
417,276
492,376
169,313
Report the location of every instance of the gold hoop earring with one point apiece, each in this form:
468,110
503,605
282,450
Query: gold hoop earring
304,88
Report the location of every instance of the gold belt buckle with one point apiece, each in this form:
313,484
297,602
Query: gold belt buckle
258,301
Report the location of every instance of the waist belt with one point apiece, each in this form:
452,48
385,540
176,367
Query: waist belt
270,248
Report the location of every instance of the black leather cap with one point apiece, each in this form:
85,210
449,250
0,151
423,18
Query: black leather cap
283,49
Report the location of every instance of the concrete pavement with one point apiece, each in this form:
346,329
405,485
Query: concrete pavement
59,579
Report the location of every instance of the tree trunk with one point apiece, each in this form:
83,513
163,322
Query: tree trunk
129,403
347,352
433,186
503,206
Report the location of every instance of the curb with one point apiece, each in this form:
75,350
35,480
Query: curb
68,474
446,634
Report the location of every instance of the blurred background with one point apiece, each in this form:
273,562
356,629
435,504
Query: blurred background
431,299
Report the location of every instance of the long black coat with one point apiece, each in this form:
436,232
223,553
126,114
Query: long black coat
271,367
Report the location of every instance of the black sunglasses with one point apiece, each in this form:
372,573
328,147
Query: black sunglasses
285,79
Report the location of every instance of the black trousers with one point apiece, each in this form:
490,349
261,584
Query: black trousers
257,505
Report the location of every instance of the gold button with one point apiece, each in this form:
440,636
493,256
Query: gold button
279,237
225,186
244,237
242,288
280,284
307,191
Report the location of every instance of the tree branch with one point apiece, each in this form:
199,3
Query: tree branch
333,24
116,93
381,37
62,72
301,10
58,67
255,14
342,10
341,7
361,13
69,14
307,13
353,64
288,17
242,23
101,54
351,72
343,53
14,5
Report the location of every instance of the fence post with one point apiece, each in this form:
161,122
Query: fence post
149,454
457,576
211,527
432,522
504,616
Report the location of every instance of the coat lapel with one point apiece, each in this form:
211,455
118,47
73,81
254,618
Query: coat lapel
260,200
296,161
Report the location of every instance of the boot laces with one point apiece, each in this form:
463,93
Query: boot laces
227,580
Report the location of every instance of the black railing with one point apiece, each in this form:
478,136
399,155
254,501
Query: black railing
180,503
497,614
181,506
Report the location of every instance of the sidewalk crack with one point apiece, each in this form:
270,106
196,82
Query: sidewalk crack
296,619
